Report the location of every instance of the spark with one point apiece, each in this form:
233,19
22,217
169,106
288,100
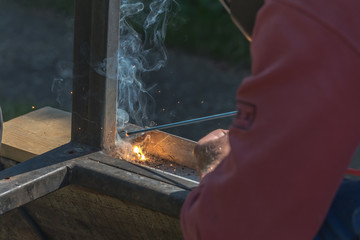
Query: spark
139,153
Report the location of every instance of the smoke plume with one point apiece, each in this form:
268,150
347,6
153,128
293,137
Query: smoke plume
141,49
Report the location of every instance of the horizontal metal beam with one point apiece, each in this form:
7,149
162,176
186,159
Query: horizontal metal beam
38,176
80,165
150,193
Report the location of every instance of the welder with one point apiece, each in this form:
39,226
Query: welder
278,172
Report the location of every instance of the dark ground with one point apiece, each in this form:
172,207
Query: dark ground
36,44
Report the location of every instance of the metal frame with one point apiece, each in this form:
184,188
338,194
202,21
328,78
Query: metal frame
93,128
94,95
79,165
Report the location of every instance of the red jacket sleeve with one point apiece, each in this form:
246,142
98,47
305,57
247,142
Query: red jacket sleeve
297,129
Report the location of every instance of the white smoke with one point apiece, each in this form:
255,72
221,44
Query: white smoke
61,86
141,49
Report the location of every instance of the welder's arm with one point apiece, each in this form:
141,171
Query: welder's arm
296,130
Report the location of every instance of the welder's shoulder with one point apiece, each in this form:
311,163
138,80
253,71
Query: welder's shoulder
340,17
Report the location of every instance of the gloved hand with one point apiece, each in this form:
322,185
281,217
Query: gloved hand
211,150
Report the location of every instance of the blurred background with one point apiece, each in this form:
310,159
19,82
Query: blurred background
207,59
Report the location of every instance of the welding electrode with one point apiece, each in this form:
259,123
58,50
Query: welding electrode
182,123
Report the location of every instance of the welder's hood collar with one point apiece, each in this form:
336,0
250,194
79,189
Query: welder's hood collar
243,13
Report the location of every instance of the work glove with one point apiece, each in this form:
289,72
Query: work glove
211,150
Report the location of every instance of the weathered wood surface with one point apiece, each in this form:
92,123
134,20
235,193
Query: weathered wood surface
35,133
78,213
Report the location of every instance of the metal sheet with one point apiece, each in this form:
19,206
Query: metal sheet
169,147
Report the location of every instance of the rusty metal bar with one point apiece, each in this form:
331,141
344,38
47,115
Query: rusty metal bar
94,90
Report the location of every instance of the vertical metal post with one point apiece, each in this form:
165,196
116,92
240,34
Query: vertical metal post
94,94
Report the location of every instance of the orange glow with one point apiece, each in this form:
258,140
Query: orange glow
139,154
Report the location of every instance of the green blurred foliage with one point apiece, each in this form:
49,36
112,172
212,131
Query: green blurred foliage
204,27
198,26
14,109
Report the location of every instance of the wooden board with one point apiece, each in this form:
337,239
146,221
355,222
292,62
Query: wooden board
35,133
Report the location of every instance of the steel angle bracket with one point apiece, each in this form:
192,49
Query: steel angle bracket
82,165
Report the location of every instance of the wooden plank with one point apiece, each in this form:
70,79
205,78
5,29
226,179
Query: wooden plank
35,133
